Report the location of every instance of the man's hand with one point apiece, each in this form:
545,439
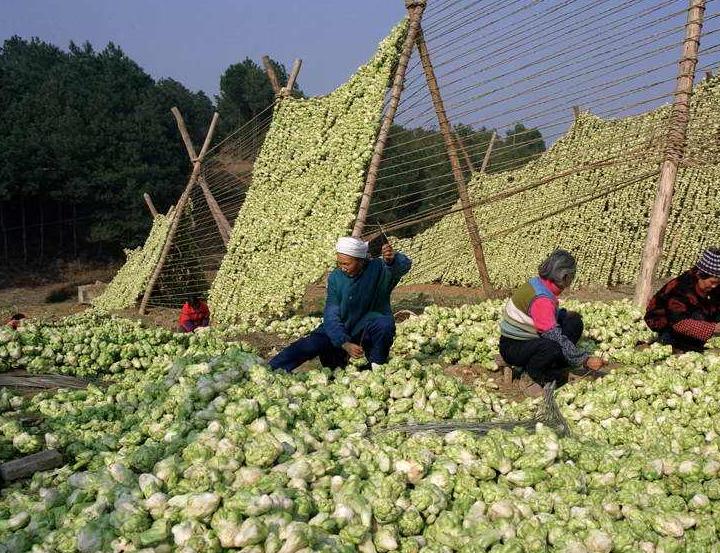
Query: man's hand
594,363
388,254
717,328
354,351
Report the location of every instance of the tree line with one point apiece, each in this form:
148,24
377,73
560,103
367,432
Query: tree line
85,132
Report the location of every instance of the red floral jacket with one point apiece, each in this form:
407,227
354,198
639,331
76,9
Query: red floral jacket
680,306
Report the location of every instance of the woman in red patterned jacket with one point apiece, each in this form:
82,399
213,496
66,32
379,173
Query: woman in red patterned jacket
686,311
195,314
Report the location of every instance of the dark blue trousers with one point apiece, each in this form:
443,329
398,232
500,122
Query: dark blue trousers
376,340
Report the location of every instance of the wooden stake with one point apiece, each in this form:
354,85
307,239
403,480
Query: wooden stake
416,11
708,75
150,204
222,223
197,165
271,74
29,465
455,163
287,89
576,112
674,152
466,156
486,159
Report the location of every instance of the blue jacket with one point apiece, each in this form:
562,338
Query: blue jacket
352,302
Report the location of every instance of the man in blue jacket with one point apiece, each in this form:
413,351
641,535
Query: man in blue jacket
358,319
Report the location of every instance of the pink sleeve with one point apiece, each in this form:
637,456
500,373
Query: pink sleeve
542,312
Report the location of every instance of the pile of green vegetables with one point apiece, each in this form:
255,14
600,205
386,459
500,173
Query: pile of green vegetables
306,183
607,231
181,271
94,344
216,453
469,334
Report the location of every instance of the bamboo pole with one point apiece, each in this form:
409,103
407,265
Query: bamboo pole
463,150
674,151
180,208
222,223
455,163
287,89
271,74
486,159
416,10
576,112
150,204
708,75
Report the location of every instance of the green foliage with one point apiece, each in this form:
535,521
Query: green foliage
91,129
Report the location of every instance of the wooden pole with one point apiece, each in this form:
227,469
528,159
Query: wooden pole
674,151
271,74
466,156
486,159
180,208
708,75
287,89
576,112
416,10
455,163
150,204
222,223
24,467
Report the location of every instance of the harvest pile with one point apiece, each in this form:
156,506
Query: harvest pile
218,453
182,269
306,183
93,344
607,233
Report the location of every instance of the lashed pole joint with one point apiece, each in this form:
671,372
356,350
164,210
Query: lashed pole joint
455,164
178,213
222,223
286,91
674,152
416,10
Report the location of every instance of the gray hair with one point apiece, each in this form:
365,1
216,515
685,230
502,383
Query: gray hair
560,267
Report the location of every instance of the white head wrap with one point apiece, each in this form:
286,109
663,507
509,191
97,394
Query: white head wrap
354,247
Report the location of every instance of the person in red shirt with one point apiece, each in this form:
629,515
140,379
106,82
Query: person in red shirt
195,314
686,311
16,321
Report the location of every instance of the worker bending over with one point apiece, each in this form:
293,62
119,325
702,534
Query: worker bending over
195,314
686,311
358,319
536,333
